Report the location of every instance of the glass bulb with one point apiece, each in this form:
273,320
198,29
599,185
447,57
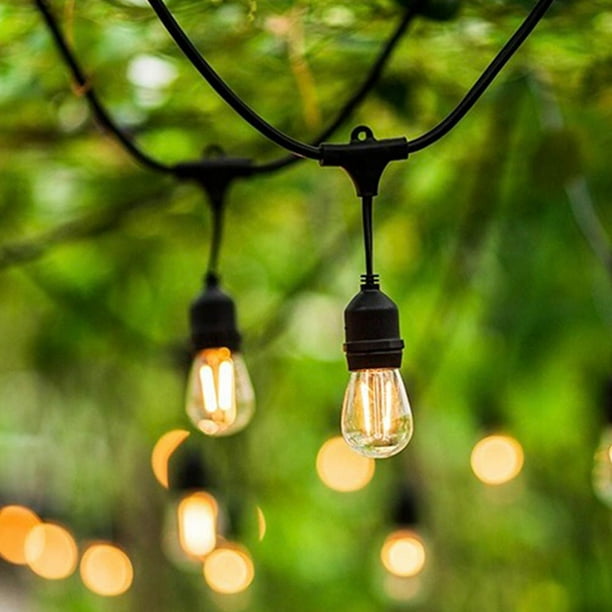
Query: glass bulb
376,416
220,398
602,468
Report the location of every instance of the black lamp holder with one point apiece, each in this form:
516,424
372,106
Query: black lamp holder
213,318
405,509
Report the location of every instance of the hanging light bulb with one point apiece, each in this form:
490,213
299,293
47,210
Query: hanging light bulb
220,398
376,415
192,522
404,552
197,523
602,464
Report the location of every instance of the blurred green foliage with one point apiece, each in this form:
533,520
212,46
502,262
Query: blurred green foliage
489,242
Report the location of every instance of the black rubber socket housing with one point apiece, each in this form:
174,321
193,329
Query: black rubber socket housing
371,325
213,318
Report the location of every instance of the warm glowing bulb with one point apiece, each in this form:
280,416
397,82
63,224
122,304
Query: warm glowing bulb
403,554
162,451
197,523
220,398
51,551
497,459
602,468
106,570
15,524
229,570
341,469
376,416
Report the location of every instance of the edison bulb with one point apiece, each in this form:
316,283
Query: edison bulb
602,468
376,415
220,397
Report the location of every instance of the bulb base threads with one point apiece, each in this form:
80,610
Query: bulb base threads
371,324
213,318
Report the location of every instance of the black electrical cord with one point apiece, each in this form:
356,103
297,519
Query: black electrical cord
483,82
305,150
366,213
216,240
85,87
355,100
105,119
301,149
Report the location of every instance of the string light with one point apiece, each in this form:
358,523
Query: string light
229,569
376,414
341,469
15,525
50,551
497,459
162,451
220,397
106,570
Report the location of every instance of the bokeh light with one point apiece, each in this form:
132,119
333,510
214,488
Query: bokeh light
106,570
15,524
403,553
50,551
162,451
197,523
229,570
341,469
497,459
262,526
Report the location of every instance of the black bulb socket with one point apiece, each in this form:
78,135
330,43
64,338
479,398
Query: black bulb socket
213,318
371,325
187,471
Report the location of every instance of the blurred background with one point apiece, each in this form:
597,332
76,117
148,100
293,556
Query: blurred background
494,243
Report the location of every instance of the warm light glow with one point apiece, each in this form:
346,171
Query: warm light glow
497,459
162,451
197,523
341,469
228,570
220,398
226,386
403,554
51,551
610,454
106,570
261,524
15,524
376,415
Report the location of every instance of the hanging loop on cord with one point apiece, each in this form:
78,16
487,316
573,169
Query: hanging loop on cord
364,158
